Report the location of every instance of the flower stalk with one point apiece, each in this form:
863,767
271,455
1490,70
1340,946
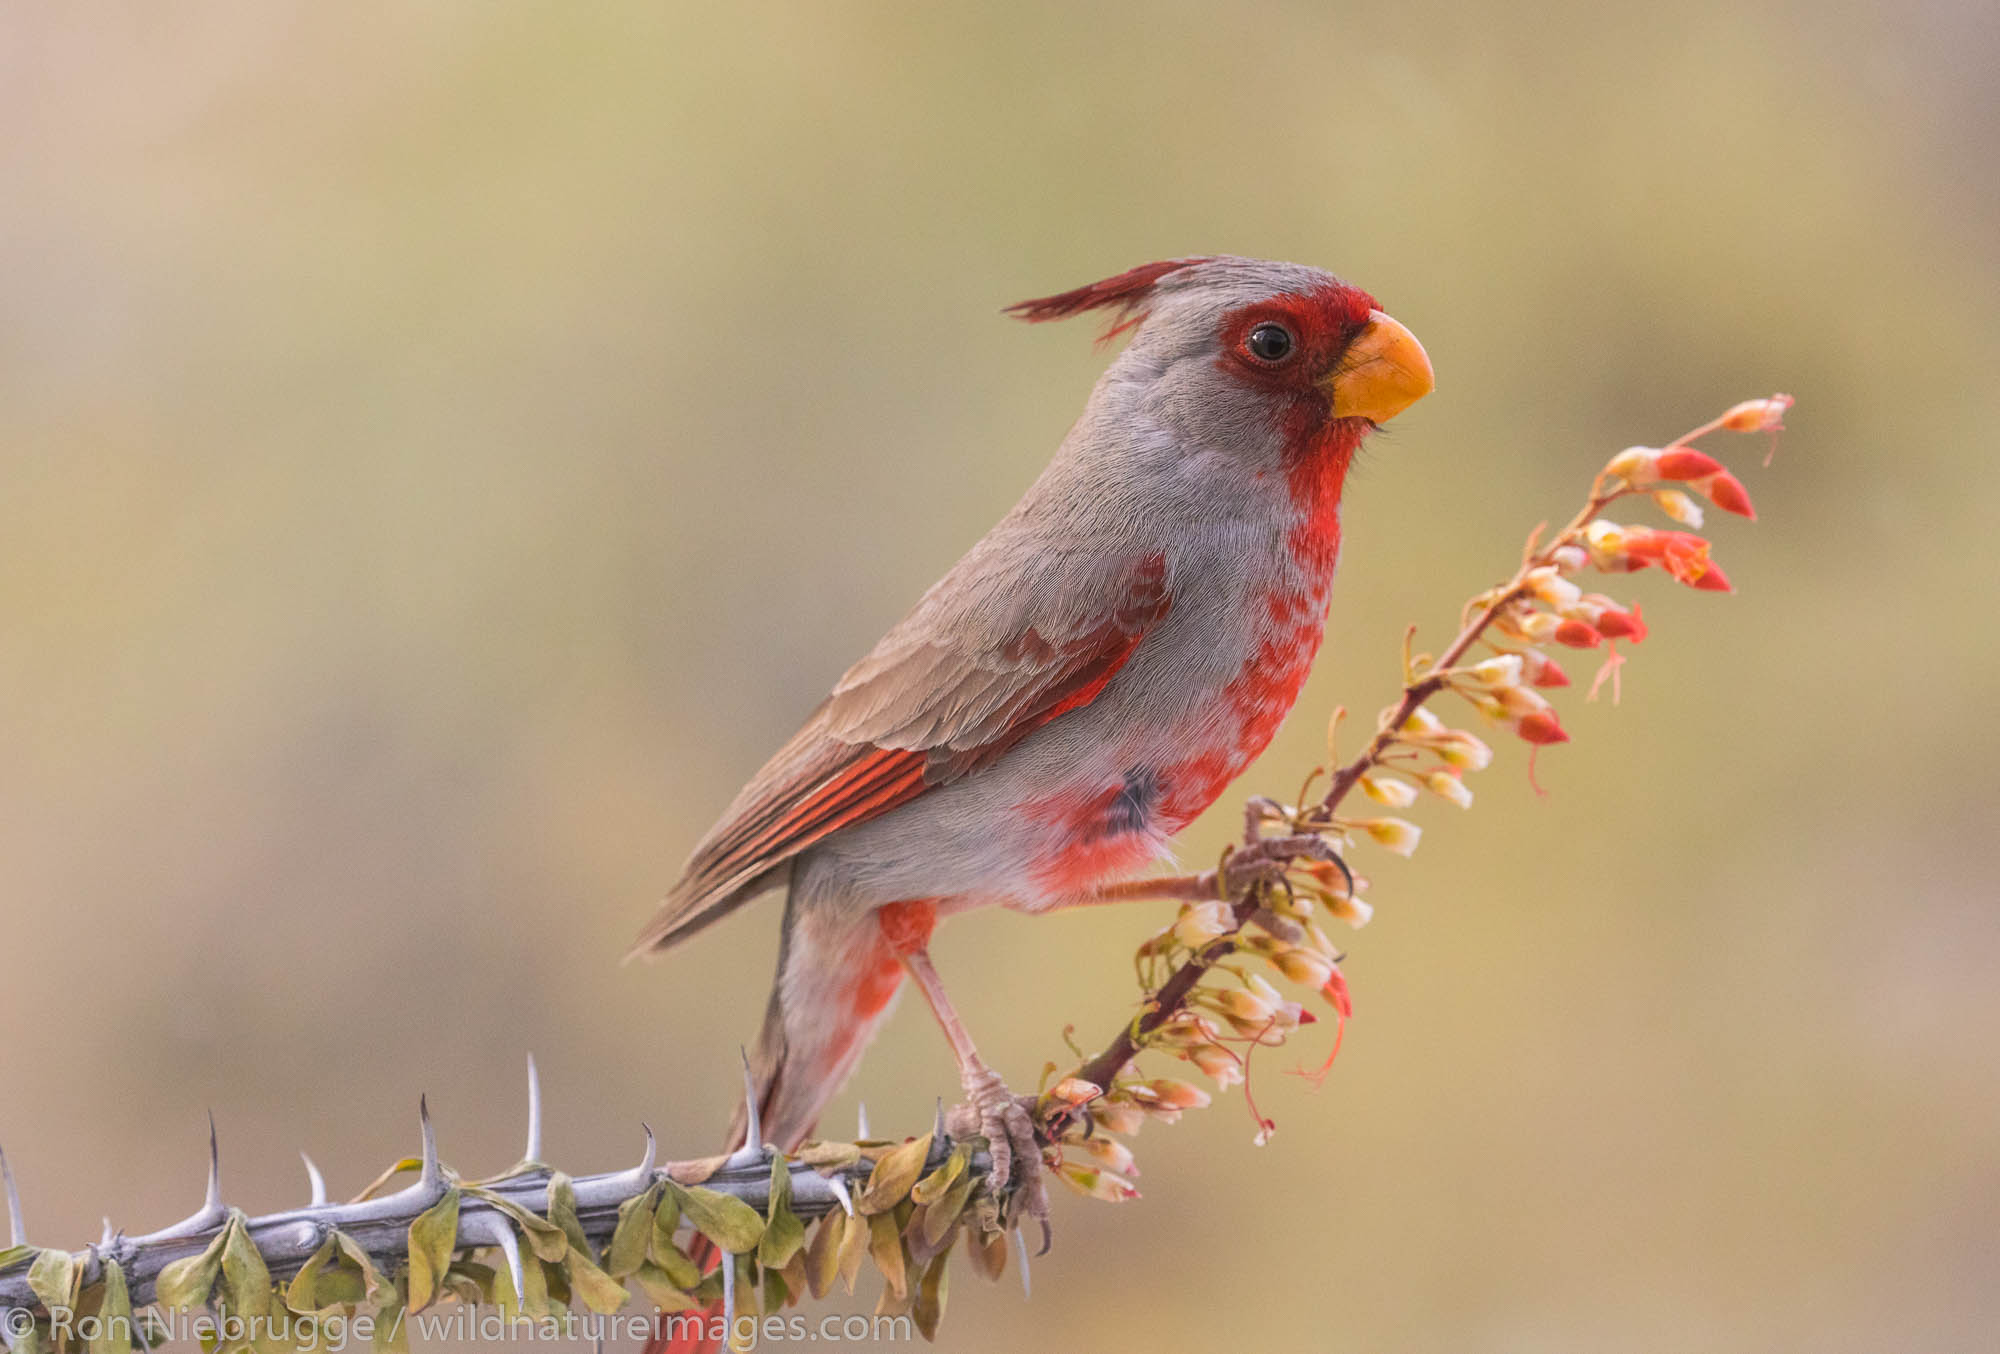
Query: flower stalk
1264,899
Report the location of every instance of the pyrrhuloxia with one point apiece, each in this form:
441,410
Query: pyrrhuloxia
1081,685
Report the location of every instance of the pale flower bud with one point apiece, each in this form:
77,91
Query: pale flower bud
1201,923
1447,786
1186,1029
1354,911
1221,1066
1422,720
1075,1091
1678,506
1390,790
1302,966
1538,627
1096,1184
1758,416
1285,1016
1168,1093
1395,834
1637,466
1569,558
1610,546
1499,672
1463,750
1118,1118
1243,1006
1107,1151
1550,588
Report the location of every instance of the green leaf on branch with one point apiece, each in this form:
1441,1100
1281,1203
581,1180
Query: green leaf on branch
114,1314
727,1221
784,1234
633,1235
186,1282
928,1310
53,1278
433,1237
894,1176
562,1212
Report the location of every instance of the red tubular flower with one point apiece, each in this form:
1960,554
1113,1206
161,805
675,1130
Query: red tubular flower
1616,624
1726,492
1681,553
1712,579
1542,728
1706,476
1578,635
1544,671
1336,993
1685,463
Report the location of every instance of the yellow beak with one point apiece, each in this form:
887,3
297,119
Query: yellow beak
1382,373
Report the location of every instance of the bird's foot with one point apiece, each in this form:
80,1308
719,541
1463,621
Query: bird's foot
1265,860
1007,1122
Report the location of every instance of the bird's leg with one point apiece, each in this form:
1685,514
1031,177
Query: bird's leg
1176,887
992,1111
1264,860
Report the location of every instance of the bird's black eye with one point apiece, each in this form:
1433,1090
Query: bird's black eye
1270,343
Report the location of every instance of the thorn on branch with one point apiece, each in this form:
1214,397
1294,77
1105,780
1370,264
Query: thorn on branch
17,1229
430,1176
534,1148
316,1181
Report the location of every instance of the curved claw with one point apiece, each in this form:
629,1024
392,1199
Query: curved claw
1257,859
1339,863
1007,1122
1257,810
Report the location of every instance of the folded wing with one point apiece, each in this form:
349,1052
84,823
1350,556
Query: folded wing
992,653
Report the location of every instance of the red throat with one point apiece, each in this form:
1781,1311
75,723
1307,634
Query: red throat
1316,462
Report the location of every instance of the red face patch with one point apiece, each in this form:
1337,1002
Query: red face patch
1287,346
1290,343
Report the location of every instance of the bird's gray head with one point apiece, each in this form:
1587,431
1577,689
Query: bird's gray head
1259,364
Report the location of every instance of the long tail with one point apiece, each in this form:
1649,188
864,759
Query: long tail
837,977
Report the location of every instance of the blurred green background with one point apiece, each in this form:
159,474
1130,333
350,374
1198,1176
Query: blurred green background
447,446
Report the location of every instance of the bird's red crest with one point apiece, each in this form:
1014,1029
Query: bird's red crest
1125,295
